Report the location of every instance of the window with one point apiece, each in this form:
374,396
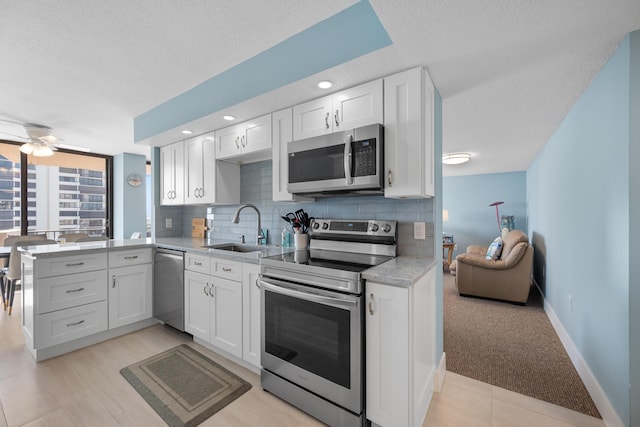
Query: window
67,191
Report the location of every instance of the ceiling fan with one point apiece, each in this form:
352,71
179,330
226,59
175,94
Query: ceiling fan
38,139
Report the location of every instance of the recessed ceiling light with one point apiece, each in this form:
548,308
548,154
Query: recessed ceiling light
228,117
456,158
325,84
187,132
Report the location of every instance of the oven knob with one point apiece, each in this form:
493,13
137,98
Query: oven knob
386,228
374,227
325,226
316,225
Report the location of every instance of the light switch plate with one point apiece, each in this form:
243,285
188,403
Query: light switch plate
168,223
419,230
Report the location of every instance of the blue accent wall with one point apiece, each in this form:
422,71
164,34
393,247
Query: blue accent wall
315,49
129,203
578,191
471,220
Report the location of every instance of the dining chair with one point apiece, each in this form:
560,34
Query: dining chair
9,241
72,237
14,274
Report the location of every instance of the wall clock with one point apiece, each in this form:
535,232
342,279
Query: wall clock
134,180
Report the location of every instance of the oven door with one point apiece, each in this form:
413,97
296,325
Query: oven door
313,338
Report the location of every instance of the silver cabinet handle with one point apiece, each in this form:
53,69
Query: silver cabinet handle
237,145
335,117
113,278
71,291
371,304
389,177
227,269
326,120
80,322
206,289
243,141
131,257
75,264
198,263
201,192
212,289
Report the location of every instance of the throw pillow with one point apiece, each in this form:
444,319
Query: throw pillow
495,249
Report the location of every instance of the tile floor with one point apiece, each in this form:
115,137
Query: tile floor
85,388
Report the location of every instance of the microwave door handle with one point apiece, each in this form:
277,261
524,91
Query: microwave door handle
347,158
320,299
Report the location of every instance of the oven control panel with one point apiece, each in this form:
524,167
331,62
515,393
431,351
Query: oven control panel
354,227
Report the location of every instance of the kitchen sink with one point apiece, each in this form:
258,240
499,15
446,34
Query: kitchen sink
232,247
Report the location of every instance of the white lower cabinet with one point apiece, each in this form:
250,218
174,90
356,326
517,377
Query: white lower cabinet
213,310
400,354
130,294
251,314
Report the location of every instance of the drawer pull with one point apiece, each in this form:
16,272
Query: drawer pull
75,264
79,322
131,257
70,291
114,281
206,289
198,263
227,269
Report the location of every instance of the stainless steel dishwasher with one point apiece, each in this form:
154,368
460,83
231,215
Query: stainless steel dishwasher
168,287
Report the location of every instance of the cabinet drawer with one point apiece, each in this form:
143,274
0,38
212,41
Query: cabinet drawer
58,266
226,269
60,292
65,325
129,257
197,262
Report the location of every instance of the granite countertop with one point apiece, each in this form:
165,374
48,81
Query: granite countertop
401,271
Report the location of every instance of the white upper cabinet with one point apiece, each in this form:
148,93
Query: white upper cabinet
199,174
245,142
359,106
172,174
282,131
409,134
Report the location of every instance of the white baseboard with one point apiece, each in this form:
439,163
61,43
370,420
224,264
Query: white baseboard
438,380
609,414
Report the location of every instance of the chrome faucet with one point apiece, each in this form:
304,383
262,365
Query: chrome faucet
260,239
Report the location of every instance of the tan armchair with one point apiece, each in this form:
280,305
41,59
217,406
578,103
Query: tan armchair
507,278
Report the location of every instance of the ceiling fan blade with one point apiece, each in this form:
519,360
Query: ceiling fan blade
13,137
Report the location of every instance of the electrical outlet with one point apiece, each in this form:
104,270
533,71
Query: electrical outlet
419,231
168,223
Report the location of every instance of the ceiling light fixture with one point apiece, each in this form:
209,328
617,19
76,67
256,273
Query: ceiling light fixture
187,132
325,84
37,148
228,118
456,158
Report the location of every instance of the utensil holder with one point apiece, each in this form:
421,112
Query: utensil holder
301,240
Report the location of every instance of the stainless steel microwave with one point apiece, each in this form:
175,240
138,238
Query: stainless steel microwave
347,162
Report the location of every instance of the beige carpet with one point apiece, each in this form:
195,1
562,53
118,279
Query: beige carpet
512,347
183,386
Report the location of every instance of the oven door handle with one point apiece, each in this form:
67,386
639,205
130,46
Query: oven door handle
320,299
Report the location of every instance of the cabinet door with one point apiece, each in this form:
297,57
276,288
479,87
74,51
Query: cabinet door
226,315
196,304
250,314
200,170
312,118
387,358
408,134
171,174
228,142
257,135
130,295
358,106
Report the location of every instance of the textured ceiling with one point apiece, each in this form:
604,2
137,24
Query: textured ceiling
508,70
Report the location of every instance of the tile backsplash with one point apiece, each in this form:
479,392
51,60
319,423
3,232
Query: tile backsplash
256,189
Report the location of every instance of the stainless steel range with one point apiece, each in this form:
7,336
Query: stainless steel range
313,318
